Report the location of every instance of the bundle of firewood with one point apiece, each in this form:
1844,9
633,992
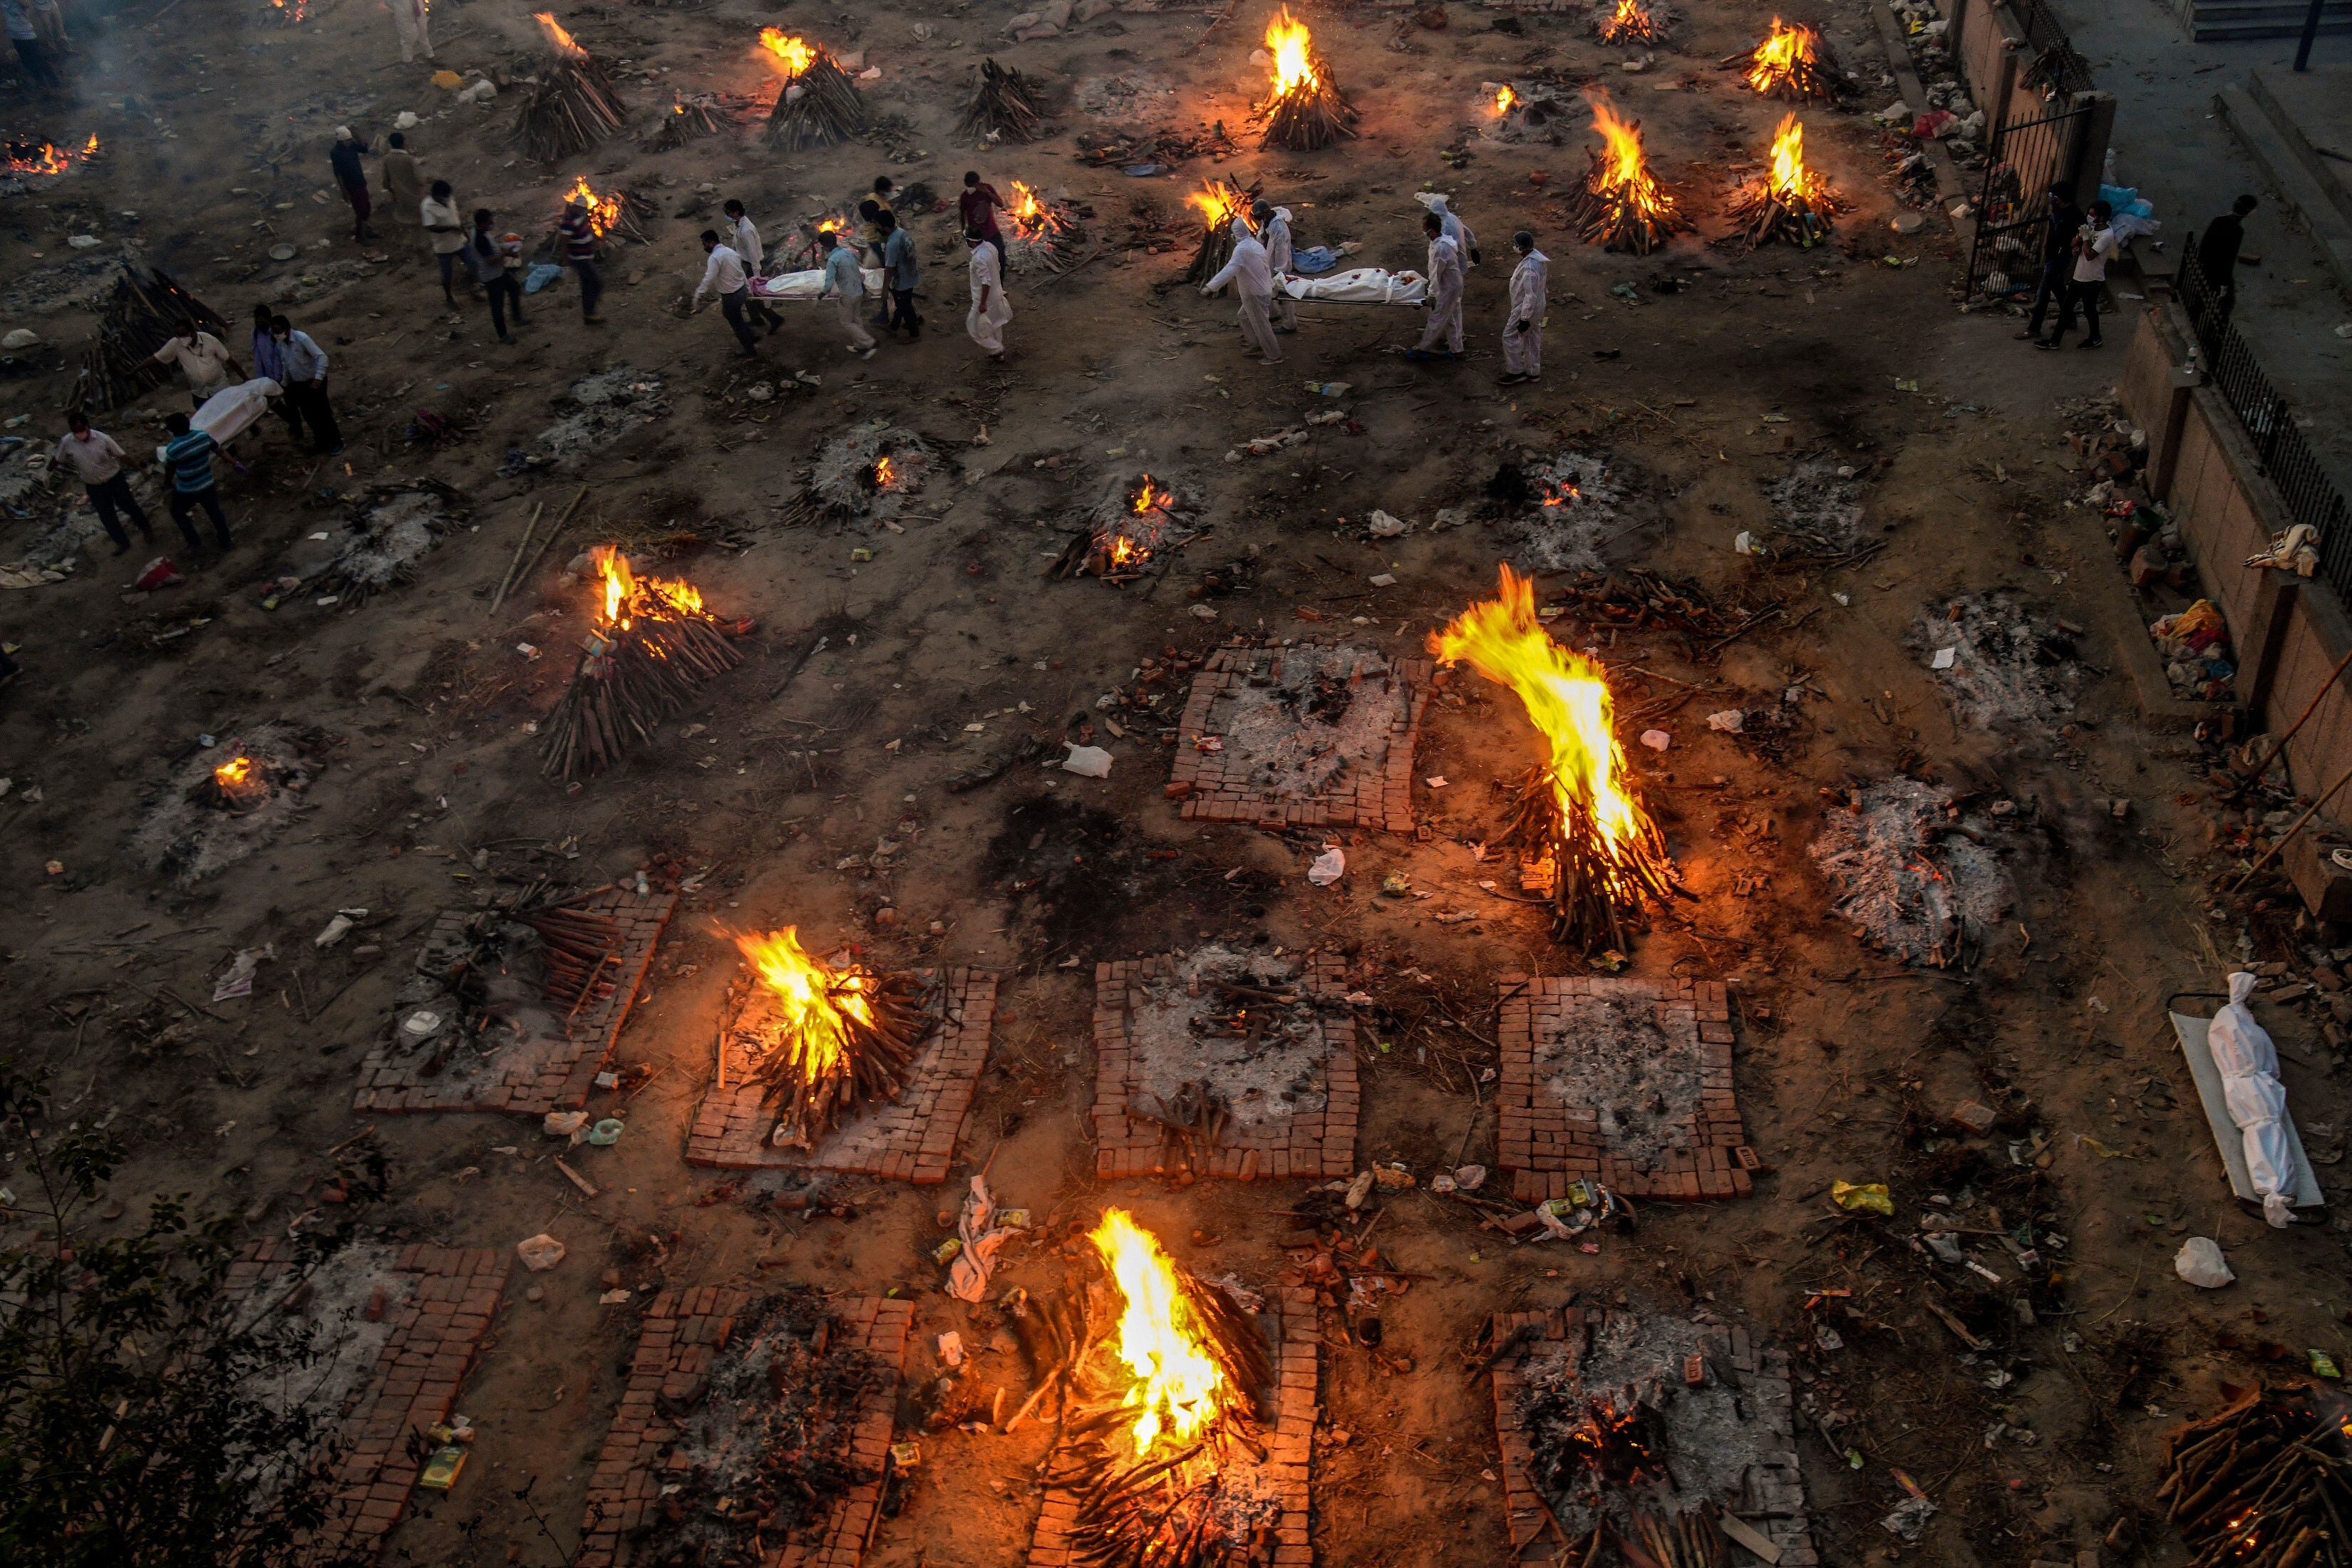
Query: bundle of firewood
882,1020
140,316
1003,106
1631,22
633,674
1638,217
1598,900
1310,117
575,107
2265,1482
1217,234
1788,215
817,108
1195,1118
688,119
582,951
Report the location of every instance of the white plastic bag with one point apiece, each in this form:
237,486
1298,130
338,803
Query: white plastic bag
1329,868
540,1253
1087,762
2201,1263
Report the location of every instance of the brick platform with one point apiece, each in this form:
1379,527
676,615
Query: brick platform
1214,785
1772,1491
1314,1141
390,1080
434,1305
1547,1143
1290,1439
913,1138
683,1335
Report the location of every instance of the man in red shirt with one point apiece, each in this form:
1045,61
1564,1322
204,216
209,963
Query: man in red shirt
977,207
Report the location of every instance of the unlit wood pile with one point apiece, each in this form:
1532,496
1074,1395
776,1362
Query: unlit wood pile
871,1069
688,119
817,107
2265,1483
575,107
582,951
630,680
140,316
1003,106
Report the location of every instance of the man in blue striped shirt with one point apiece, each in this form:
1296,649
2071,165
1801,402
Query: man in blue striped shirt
188,459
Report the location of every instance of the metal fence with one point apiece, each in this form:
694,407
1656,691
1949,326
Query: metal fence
2287,460
2013,214
2053,64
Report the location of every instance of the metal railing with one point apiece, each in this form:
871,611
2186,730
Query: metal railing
2054,64
2303,483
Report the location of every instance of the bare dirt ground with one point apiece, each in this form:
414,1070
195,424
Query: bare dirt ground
1703,379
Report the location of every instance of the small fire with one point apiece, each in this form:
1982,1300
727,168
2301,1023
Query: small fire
1219,204
1780,58
1791,182
1506,100
795,54
1125,551
819,1003
1631,22
604,212
1150,498
1294,56
1564,494
884,476
234,774
1178,1388
557,39
46,157
627,595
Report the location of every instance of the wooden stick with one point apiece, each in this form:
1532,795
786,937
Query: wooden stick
2280,841
524,543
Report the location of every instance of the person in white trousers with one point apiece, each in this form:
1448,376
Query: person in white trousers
845,284
411,20
1444,295
989,308
1523,327
1252,276
1274,223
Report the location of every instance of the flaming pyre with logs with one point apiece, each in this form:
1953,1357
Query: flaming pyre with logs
1621,206
818,105
1631,22
1003,105
1793,203
575,104
826,1038
1792,62
1038,233
141,314
1219,202
1577,808
688,119
653,648
614,213
1126,533
1526,110
2267,1480
1610,1447
1303,110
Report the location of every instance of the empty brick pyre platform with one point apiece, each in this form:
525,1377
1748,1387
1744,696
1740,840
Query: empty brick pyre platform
1625,1080
1311,736
685,1334
1289,1097
913,1138
396,1329
1723,1427
1279,1485
550,1070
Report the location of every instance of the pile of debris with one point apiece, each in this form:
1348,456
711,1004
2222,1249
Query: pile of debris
492,995
868,476
1229,1048
220,805
2265,1479
1133,531
1308,720
1818,503
1559,512
2002,667
1155,150
1914,871
598,408
140,317
690,119
1003,106
392,528
1530,110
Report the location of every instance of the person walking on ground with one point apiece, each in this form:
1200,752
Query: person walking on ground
403,191
306,382
486,258
411,20
204,359
2064,218
578,232
1523,326
438,212
1252,280
2094,242
991,311
723,275
2217,255
977,208
1274,228
1444,294
844,285
49,23
269,360
30,51
96,461
188,459
1457,231
744,236
350,174
902,274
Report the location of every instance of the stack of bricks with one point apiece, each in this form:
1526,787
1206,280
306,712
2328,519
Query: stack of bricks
394,1080
685,1333
1546,1145
1313,1143
1772,1491
1289,1437
913,1138
439,1301
1213,785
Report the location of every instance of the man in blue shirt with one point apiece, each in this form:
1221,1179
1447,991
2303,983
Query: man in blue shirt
900,274
268,363
844,285
188,459
306,383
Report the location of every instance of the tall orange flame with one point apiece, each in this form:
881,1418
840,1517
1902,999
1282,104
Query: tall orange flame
795,54
1294,56
1505,99
1219,204
1789,180
1780,55
1625,176
1151,495
604,211
818,1004
624,595
559,40
1178,1389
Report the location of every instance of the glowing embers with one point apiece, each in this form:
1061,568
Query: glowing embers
818,105
688,119
612,214
1793,63
238,785
1221,203
1525,110
1914,873
1631,22
1302,109
1578,807
1792,203
652,648
1621,206
573,106
870,476
825,1038
1037,232
1131,530
36,159
2263,1480
220,805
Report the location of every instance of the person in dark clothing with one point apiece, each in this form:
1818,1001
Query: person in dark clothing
351,175
578,232
268,361
977,208
31,53
2217,254
2057,254
486,258
901,273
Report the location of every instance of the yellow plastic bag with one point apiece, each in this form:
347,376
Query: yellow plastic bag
1868,1197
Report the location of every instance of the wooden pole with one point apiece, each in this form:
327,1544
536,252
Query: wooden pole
520,545
2313,707
2281,842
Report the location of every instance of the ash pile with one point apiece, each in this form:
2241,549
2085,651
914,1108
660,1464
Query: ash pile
765,1436
1308,717
1817,506
1914,872
1612,1051
220,804
494,990
1524,111
1559,512
1133,531
1227,1050
596,411
2002,667
391,527
869,475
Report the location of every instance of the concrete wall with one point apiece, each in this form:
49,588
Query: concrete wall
1988,42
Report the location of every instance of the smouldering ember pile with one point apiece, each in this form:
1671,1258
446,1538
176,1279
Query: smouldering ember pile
35,160
1791,204
1219,202
595,412
1005,105
1127,533
237,784
826,1038
219,805
504,981
1303,111
870,475
653,648
1621,205
2267,1480
688,119
1630,22
575,104
1915,874
818,105
1038,233
1793,63
1525,111
1578,807
1562,512
392,529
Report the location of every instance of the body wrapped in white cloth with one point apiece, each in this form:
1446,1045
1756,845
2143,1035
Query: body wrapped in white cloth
1359,286
2250,1084
801,287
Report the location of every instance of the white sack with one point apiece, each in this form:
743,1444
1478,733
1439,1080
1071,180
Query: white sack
2243,1049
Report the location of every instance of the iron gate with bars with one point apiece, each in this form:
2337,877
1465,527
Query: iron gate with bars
2013,209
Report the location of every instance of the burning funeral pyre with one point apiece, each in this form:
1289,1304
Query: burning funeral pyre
1793,63
613,214
220,804
1578,807
505,982
575,104
653,648
1914,871
140,315
825,1038
1631,22
1793,203
1005,105
2265,1480
1038,233
818,105
1303,111
1219,202
1162,1437
870,475
688,119
1126,533
1621,205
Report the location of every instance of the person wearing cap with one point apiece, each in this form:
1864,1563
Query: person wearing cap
350,174
1523,325
1273,227
1252,280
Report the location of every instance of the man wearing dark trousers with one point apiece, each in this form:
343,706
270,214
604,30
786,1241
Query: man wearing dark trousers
188,459
92,456
2095,242
900,275
2217,255
2057,255
306,383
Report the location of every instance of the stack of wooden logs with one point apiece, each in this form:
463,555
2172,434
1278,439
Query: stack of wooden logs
817,108
633,673
1310,117
688,119
581,950
1599,897
140,316
2265,1482
575,107
871,1068
1003,106
1217,239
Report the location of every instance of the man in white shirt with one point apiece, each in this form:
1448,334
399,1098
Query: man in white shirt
724,276
844,285
1252,275
744,237
93,457
2092,246
204,359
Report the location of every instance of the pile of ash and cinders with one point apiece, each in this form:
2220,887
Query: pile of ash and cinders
495,989
1131,533
870,476
221,804
1226,1050
1306,718
1916,869
1561,513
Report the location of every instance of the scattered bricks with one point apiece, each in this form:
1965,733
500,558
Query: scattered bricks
1375,793
1970,1116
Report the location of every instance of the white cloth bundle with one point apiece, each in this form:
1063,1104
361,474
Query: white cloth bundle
2257,1100
809,285
231,409
1360,285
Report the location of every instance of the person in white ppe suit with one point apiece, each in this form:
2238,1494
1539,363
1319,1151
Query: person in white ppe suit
1444,294
1457,231
411,21
1253,279
989,308
1274,225
1523,327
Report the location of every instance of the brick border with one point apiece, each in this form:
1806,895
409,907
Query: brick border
1546,1147
682,1332
1759,1372
1132,1146
436,1334
915,1137
389,1084
1297,1413
1198,778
